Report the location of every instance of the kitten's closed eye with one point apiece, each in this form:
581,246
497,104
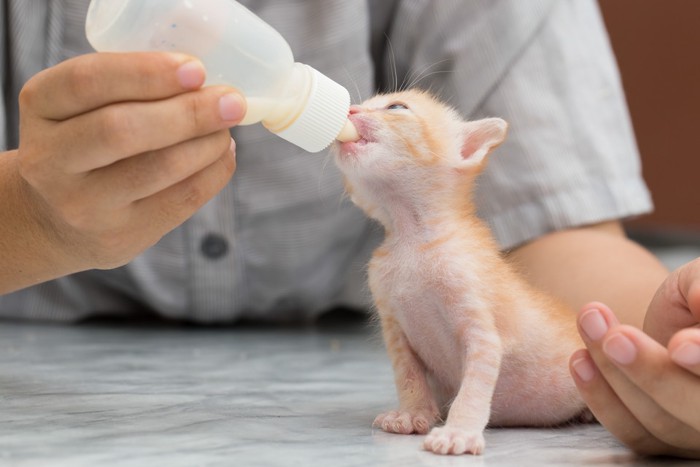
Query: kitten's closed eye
397,106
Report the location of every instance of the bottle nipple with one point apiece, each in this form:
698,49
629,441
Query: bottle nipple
348,133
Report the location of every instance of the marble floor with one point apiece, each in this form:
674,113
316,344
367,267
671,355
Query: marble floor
129,395
155,394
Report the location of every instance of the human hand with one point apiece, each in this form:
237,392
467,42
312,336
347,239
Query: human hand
676,304
118,149
645,394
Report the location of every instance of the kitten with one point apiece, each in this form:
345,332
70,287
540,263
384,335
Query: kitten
461,327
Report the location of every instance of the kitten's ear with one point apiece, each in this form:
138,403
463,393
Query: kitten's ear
480,137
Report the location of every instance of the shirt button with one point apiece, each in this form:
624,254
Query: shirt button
214,246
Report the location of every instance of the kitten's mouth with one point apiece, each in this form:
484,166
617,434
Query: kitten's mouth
366,135
352,148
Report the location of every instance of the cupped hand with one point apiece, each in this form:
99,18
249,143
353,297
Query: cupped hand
644,386
118,149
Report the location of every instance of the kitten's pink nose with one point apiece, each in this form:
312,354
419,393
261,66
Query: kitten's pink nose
354,109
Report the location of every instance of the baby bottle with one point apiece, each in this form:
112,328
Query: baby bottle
293,100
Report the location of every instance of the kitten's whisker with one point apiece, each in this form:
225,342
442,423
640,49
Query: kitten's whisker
418,75
354,83
448,100
344,195
326,160
418,79
392,63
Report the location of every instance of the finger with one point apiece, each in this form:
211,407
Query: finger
607,407
689,287
647,366
605,342
92,81
169,208
594,320
144,175
684,348
673,305
119,131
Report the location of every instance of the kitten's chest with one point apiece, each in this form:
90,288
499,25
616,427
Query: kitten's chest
429,296
411,276
405,279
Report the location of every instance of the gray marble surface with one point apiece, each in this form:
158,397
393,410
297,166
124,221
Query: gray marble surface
157,394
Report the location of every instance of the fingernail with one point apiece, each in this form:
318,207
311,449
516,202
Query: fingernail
584,369
232,147
688,354
593,324
231,107
191,75
620,348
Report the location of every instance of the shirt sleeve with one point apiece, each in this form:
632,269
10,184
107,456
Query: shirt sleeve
547,67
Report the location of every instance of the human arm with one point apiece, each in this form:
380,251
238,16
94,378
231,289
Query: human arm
596,262
115,151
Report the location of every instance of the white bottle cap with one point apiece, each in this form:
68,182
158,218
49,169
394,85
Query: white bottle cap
323,117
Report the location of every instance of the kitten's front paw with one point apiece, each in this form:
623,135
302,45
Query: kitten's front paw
449,440
406,422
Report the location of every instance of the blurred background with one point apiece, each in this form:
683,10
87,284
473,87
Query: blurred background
657,45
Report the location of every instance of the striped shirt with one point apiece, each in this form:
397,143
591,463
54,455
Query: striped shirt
280,242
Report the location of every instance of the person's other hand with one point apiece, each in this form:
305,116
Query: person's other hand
646,392
676,305
116,150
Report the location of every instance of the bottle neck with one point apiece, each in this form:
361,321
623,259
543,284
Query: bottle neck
292,101
310,111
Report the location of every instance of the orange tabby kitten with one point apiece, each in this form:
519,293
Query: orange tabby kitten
462,328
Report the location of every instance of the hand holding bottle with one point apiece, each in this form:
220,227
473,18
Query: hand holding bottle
293,100
118,149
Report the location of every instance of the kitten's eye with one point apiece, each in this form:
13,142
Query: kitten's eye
397,106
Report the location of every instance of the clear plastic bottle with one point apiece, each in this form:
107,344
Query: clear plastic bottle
239,49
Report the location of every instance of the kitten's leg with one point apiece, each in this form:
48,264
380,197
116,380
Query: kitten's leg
469,413
418,411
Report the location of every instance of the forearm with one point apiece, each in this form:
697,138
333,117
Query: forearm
594,263
29,256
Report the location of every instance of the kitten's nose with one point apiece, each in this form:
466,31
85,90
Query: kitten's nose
354,109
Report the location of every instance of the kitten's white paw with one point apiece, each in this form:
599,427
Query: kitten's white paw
450,440
406,422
